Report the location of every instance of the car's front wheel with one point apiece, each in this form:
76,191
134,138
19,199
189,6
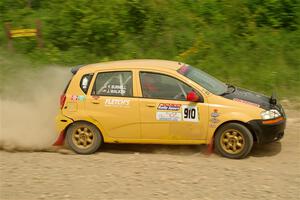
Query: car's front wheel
84,138
233,140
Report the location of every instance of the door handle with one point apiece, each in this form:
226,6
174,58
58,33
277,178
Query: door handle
150,105
95,102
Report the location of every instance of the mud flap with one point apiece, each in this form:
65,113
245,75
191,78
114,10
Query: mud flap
60,140
210,147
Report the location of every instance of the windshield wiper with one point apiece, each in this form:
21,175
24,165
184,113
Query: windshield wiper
230,89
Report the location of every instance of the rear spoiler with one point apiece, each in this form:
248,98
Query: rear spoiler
75,69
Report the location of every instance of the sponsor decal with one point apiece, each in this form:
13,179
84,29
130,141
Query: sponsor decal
190,113
117,102
215,113
183,69
168,116
74,97
169,106
78,97
81,98
214,118
246,102
114,89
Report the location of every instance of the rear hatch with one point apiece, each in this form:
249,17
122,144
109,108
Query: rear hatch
63,95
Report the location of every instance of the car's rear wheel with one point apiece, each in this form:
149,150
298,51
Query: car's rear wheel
233,140
84,138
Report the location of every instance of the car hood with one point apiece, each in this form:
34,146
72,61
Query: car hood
249,97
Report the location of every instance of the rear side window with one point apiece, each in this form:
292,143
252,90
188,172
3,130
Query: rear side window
85,82
113,84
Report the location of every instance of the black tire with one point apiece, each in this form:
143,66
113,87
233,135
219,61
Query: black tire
79,140
235,148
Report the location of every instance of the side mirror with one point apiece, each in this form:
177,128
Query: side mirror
192,96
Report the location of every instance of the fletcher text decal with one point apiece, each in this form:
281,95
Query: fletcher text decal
117,102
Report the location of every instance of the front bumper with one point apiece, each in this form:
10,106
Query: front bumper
266,133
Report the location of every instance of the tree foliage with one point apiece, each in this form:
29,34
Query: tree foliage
227,38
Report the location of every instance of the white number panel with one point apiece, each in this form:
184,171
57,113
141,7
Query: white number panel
190,113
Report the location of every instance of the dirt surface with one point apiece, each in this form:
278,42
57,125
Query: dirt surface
30,169
155,172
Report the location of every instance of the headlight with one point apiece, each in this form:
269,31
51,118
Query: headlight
270,114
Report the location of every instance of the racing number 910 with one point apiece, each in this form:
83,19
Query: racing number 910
189,113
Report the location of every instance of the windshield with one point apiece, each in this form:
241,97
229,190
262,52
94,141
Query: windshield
203,79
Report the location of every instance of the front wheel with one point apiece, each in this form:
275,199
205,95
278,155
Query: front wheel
84,138
234,141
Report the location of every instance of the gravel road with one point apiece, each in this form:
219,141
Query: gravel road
155,172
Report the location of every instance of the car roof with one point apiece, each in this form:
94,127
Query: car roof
133,64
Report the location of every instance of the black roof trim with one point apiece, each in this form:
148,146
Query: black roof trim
76,68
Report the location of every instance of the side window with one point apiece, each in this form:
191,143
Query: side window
85,82
159,86
113,84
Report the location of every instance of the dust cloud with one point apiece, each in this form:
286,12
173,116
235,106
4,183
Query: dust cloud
28,107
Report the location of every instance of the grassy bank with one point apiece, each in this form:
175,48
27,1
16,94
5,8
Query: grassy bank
15,68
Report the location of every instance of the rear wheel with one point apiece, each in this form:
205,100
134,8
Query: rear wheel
233,140
84,138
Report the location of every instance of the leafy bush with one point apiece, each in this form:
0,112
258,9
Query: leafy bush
252,43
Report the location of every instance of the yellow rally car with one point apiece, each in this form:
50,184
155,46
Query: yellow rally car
163,102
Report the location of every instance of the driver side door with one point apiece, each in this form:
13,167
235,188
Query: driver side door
165,112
